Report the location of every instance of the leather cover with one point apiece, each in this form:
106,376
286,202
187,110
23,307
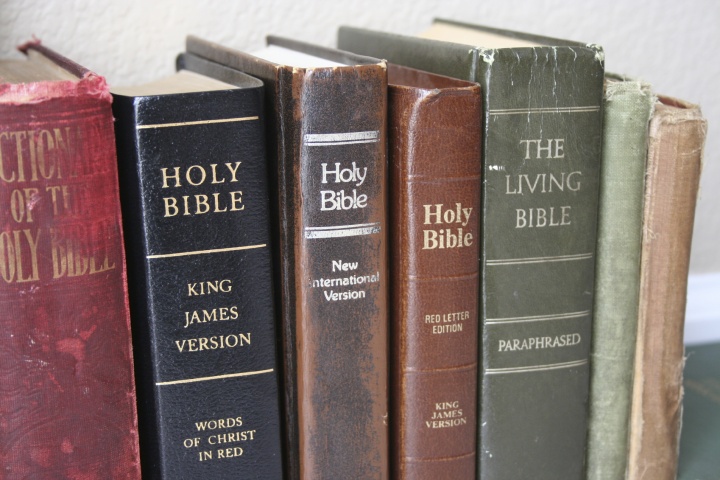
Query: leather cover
542,110
195,198
327,131
675,148
435,138
67,393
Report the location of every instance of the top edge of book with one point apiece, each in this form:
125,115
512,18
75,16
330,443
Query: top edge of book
36,67
183,81
294,58
282,52
490,38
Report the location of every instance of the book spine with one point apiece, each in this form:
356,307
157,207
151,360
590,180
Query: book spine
676,139
332,169
67,395
196,202
627,108
540,197
434,140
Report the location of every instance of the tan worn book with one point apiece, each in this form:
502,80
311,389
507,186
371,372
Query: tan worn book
675,144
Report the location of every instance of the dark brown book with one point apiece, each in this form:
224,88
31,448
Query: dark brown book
67,394
435,125
675,145
327,133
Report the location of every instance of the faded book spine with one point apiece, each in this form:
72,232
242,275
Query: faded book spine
338,202
434,143
676,139
627,110
540,198
196,202
67,395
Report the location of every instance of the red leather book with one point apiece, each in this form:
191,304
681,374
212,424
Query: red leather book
435,138
67,395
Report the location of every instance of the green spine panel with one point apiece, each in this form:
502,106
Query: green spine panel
627,111
543,139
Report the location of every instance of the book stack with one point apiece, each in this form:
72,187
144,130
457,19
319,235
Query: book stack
457,255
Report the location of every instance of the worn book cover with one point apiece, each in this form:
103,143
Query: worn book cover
627,109
435,173
675,146
67,393
195,198
327,113
542,121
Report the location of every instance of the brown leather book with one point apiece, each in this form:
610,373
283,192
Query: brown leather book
676,138
327,113
434,138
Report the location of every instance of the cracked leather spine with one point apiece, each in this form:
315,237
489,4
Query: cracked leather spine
327,140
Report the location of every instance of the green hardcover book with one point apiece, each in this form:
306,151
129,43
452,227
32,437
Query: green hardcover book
542,117
700,440
627,109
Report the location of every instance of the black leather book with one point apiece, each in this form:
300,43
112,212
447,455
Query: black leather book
195,205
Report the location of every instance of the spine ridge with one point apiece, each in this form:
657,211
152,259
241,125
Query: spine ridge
458,368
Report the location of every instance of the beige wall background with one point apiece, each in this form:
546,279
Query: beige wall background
669,43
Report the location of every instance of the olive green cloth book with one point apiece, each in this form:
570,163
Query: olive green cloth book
542,135
700,439
627,108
